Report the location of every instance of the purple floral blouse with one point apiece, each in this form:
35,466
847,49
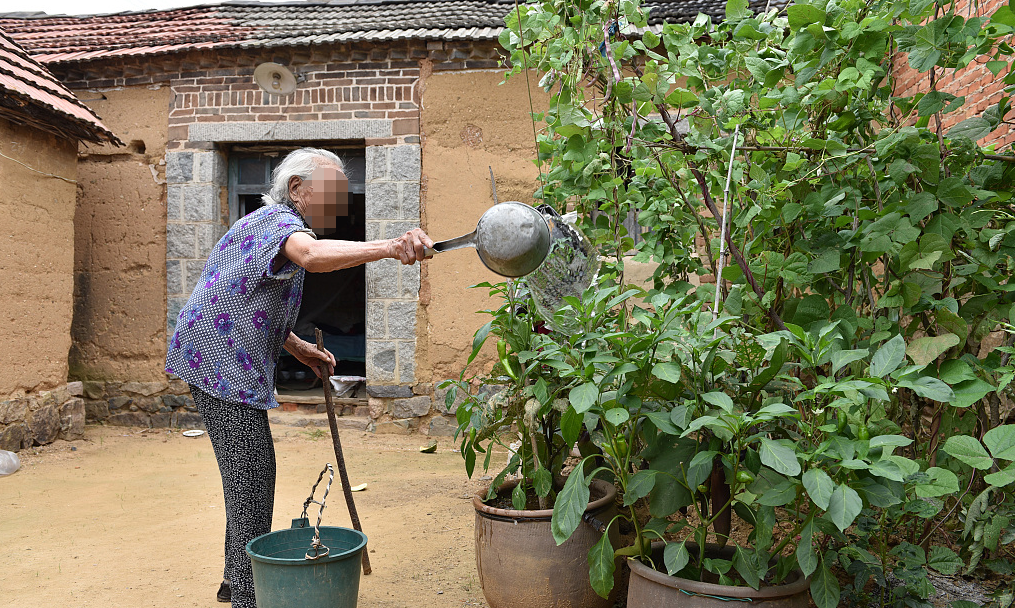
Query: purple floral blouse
230,333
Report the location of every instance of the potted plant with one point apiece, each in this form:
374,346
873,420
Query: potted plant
785,155
701,418
521,408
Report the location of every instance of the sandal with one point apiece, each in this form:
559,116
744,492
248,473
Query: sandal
224,594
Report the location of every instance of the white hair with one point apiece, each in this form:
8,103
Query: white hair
299,163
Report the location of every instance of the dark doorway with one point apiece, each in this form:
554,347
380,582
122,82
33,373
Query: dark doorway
334,301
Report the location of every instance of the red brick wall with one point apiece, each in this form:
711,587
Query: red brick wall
979,86
342,81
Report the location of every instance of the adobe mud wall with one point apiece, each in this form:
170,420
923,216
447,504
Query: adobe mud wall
36,266
469,123
36,258
119,331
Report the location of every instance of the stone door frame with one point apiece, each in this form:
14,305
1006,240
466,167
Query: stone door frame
196,194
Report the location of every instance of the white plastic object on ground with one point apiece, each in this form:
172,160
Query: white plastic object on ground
9,462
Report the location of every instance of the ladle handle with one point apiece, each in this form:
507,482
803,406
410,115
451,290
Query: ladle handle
466,240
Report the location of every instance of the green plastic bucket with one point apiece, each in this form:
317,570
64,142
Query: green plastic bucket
284,577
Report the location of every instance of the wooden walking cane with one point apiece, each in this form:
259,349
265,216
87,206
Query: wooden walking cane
343,474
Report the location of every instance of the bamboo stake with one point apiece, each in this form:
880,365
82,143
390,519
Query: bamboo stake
722,232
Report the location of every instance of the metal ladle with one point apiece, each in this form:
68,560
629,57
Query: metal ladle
512,239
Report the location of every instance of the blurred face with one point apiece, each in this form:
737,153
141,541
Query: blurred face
322,198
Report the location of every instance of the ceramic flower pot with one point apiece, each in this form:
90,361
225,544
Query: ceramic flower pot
650,588
520,564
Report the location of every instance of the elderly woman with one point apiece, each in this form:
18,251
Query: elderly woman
234,326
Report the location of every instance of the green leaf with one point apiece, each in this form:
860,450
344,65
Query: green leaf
779,457
954,371
662,421
542,481
974,128
746,563
737,10
806,558
995,67
828,261
923,351
570,425
932,102
944,560
669,372
700,468
601,566
776,410
929,388
1002,478
479,339
779,495
888,357
894,440
819,487
886,469
1001,442
942,482
719,400
920,205
804,14
954,193
675,557
518,497
841,358
639,486
583,397
969,392
843,506
824,587
572,500
617,416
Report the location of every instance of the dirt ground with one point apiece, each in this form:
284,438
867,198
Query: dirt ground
135,518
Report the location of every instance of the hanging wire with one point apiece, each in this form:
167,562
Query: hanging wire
53,175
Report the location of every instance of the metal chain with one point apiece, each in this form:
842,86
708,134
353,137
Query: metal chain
318,549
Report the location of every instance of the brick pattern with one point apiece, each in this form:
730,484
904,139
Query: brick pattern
979,86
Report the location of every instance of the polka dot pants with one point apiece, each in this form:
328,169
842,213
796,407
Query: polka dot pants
245,453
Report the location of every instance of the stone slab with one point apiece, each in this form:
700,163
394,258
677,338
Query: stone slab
290,130
413,407
44,424
130,419
72,420
397,427
442,426
389,391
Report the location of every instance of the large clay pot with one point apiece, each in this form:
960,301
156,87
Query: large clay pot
521,566
650,588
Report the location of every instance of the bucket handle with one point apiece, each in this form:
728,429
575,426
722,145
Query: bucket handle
318,549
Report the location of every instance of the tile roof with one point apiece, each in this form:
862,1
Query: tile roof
29,94
61,39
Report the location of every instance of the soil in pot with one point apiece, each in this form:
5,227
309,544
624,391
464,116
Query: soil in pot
520,564
650,588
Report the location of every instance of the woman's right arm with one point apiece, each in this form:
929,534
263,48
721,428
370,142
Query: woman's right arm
327,255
